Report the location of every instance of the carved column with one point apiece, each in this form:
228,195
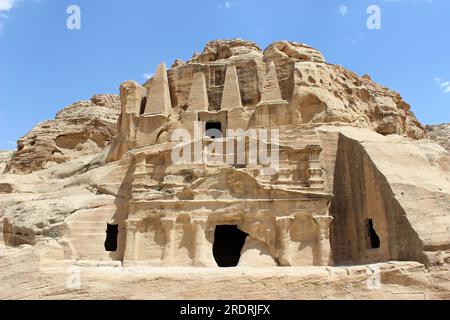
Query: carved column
315,170
324,247
131,249
199,225
284,239
169,249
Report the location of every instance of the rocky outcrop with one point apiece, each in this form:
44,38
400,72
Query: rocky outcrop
315,92
36,205
357,182
440,134
318,92
84,128
325,93
221,50
292,50
388,188
5,157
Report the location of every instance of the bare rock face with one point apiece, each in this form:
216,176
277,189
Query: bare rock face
318,92
356,183
227,49
293,50
5,157
440,134
325,93
84,128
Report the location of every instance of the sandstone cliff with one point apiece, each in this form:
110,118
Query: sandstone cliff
84,128
331,92
402,185
440,134
5,157
359,183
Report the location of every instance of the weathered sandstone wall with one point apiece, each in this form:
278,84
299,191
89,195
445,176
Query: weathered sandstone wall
403,186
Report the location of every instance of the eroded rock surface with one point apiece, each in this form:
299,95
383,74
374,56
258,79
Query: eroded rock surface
358,183
5,157
84,128
440,134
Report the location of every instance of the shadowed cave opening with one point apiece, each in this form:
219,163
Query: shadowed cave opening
373,240
143,105
112,232
228,244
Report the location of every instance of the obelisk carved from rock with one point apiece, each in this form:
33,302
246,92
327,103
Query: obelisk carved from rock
231,98
158,93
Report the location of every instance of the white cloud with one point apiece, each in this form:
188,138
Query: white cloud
443,84
227,5
343,10
5,6
147,76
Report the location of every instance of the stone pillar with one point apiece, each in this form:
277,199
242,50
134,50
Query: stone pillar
131,248
131,95
231,98
284,239
198,97
271,93
158,93
315,170
199,225
169,224
324,246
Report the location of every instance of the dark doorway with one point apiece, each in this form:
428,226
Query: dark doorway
143,105
228,244
213,130
373,240
111,237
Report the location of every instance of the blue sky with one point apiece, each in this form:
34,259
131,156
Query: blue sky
44,66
